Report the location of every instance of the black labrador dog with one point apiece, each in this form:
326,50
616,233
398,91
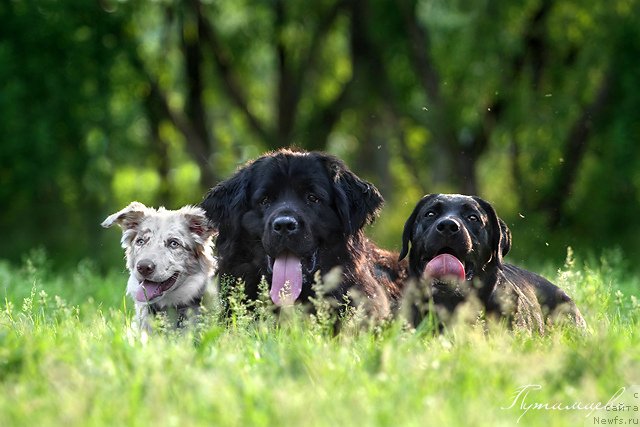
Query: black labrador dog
457,247
290,214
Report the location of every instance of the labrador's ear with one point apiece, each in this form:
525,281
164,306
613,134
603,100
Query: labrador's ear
407,233
129,219
505,241
499,233
357,201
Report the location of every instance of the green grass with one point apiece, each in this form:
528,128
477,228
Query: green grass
68,357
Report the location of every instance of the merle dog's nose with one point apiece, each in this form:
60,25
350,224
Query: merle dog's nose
145,267
448,227
285,225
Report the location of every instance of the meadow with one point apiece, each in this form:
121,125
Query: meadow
69,357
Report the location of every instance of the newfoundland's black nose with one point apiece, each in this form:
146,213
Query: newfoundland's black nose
285,225
146,267
448,226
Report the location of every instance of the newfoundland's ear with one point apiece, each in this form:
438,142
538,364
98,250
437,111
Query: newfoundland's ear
224,202
408,226
499,234
358,201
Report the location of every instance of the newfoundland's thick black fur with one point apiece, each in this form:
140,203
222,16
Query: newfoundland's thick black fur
289,214
469,229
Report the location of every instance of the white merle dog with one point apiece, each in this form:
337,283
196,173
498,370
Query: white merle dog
169,255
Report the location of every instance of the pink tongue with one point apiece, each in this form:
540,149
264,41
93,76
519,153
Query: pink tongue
445,267
286,283
148,291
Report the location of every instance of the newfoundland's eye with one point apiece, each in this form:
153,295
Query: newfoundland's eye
265,201
313,198
139,241
430,214
173,243
473,218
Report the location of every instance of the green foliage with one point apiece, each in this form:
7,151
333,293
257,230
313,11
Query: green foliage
108,102
55,68
70,356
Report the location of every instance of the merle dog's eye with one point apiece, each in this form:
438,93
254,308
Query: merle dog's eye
139,241
313,198
473,217
430,214
173,243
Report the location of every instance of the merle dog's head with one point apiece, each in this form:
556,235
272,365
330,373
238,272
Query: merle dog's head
288,214
465,227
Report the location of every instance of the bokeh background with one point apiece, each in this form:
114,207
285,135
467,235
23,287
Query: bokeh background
533,105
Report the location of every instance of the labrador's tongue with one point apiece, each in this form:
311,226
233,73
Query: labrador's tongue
445,267
148,291
286,283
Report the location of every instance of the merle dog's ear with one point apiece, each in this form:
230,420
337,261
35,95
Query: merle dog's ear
499,233
357,201
128,219
408,226
199,225
224,202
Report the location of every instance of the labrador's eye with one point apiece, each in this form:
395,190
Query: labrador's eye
173,244
430,214
265,201
473,218
313,198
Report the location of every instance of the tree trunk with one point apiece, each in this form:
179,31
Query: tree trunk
575,148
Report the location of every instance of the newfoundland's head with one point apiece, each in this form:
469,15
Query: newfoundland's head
287,215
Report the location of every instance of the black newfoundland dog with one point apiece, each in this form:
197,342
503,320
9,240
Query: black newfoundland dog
457,245
289,214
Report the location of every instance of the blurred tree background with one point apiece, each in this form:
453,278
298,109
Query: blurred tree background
534,105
